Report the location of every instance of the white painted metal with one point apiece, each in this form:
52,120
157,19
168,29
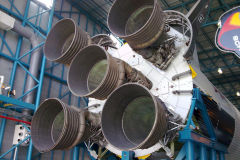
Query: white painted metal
6,21
1,83
163,85
20,134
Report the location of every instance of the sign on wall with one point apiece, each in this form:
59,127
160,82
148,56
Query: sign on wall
228,33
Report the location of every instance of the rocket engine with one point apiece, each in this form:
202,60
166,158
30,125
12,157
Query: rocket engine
143,91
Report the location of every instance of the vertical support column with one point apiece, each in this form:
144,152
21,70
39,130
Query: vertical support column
189,150
76,153
13,73
39,91
221,156
213,155
83,153
127,155
203,154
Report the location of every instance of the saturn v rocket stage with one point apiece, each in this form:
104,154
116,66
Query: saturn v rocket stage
139,95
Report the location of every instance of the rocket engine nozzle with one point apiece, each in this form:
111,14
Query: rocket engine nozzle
56,126
132,118
64,41
140,23
95,73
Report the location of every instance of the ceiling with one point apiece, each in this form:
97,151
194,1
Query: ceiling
209,56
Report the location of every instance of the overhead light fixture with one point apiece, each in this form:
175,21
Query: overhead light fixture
238,94
220,71
47,3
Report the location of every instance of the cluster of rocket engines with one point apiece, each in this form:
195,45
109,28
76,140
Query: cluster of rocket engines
132,116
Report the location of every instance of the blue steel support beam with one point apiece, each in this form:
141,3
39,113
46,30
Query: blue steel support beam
3,121
192,140
27,66
189,150
127,155
16,102
13,73
76,153
203,153
38,95
213,154
21,18
10,150
221,156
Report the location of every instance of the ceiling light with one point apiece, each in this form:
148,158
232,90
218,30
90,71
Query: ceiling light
47,3
220,71
238,94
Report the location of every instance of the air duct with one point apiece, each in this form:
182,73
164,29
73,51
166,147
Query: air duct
64,41
141,22
34,63
57,126
136,116
95,73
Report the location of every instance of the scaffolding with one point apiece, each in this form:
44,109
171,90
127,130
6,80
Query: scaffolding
16,59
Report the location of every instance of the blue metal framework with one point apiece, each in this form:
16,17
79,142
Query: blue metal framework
96,13
17,61
195,145
210,58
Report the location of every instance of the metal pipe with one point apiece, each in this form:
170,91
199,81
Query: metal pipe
14,119
136,116
103,40
34,63
55,125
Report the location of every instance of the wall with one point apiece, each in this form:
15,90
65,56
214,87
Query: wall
54,83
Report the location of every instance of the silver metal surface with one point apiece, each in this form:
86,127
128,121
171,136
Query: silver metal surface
95,73
103,40
55,125
133,118
141,22
64,41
